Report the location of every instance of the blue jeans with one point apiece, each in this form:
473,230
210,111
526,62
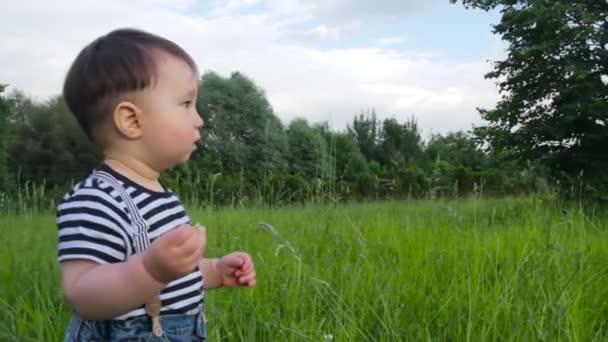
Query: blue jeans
175,328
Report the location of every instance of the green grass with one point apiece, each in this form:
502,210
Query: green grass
466,270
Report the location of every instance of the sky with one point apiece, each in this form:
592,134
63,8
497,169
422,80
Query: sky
323,60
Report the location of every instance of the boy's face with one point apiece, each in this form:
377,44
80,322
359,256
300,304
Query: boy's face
171,123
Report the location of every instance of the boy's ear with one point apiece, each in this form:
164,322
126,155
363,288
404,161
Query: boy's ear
127,119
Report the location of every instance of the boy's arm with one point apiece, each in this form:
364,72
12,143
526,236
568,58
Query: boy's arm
106,291
210,274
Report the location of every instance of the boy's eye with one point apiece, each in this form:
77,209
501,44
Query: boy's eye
187,103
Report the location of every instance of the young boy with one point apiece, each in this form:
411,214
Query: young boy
132,264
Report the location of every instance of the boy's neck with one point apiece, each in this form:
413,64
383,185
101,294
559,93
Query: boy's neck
132,168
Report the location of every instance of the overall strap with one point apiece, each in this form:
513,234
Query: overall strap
139,227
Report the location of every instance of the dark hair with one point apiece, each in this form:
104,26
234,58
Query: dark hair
121,61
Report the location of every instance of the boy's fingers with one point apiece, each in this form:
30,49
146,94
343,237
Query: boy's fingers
245,275
179,235
194,244
247,267
248,280
233,261
200,227
202,244
188,245
202,236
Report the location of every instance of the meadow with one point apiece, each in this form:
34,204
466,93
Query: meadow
473,269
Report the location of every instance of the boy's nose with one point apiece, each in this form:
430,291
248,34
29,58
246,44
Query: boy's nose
199,121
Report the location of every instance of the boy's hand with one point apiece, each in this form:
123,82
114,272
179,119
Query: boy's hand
236,269
175,253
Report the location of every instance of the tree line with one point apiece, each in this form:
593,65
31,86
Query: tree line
248,155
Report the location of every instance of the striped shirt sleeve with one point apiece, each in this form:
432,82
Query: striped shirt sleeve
91,226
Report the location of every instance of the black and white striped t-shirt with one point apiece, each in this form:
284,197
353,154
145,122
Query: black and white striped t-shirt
93,224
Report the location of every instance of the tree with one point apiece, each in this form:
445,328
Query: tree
241,128
367,131
48,144
307,151
350,162
554,98
458,148
4,113
400,143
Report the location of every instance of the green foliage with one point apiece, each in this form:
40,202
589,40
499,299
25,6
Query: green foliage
554,105
248,158
48,144
350,162
307,150
366,130
400,143
5,108
457,148
241,129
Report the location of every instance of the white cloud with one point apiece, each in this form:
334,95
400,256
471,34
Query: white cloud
322,33
223,8
39,40
338,84
348,9
390,41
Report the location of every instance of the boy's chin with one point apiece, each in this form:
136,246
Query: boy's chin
185,159
177,162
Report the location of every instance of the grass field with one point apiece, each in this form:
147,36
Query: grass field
514,269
